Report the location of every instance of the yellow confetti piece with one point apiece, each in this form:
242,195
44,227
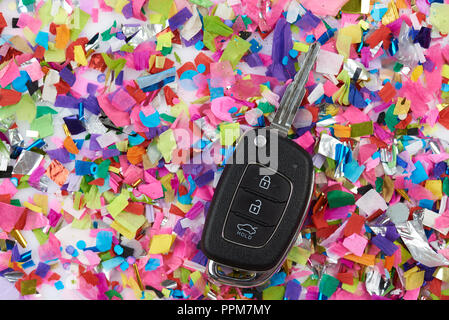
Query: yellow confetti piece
299,46
160,61
299,255
164,41
353,31
229,133
414,280
445,71
436,187
391,15
351,288
402,106
32,207
161,243
416,73
41,200
122,230
344,44
80,57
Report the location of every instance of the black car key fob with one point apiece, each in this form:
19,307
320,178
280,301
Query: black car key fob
261,199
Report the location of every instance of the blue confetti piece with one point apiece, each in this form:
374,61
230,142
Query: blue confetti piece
151,121
104,241
152,264
59,285
419,174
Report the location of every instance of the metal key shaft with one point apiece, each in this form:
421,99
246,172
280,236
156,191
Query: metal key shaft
294,93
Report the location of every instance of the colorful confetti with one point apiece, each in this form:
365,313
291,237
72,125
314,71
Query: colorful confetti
117,117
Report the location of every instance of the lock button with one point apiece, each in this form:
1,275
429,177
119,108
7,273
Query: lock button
256,208
268,183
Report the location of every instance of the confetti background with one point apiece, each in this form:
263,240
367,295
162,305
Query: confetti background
106,106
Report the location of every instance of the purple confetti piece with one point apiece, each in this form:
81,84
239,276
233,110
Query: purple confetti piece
74,125
61,154
91,103
109,153
67,76
204,178
308,22
65,101
179,18
93,144
385,245
282,43
292,290
253,60
42,269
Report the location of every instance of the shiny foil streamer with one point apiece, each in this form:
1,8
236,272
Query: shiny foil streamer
6,123
13,276
413,236
147,32
23,8
434,147
93,44
375,284
15,138
328,146
27,162
5,151
351,66
209,131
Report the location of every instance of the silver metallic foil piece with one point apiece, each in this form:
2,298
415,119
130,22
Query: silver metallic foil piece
434,147
21,7
27,162
15,138
328,146
209,131
351,66
169,284
413,236
13,276
6,123
375,283
146,32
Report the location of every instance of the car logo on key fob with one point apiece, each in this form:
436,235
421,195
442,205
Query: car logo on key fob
262,197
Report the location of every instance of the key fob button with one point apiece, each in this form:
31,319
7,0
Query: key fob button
272,186
246,232
254,207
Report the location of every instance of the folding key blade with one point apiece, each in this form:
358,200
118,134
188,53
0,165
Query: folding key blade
294,93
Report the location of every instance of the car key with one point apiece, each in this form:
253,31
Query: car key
262,197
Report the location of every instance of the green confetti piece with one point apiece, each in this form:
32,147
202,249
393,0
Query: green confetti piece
209,41
310,281
214,25
166,143
160,6
397,67
83,224
115,65
338,198
229,132
446,186
26,109
266,107
118,204
273,293
299,255
390,119
127,48
43,110
379,184
79,21
113,293
166,51
202,3
92,198
167,117
40,235
15,202
45,13
44,125
235,50
103,169
328,285
362,129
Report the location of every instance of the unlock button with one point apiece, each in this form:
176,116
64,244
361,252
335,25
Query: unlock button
254,207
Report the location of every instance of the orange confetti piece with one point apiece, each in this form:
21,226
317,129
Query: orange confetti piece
365,259
134,154
342,131
57,172
389,261
70,145
62,36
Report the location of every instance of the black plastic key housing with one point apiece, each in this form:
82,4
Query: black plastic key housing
255,217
